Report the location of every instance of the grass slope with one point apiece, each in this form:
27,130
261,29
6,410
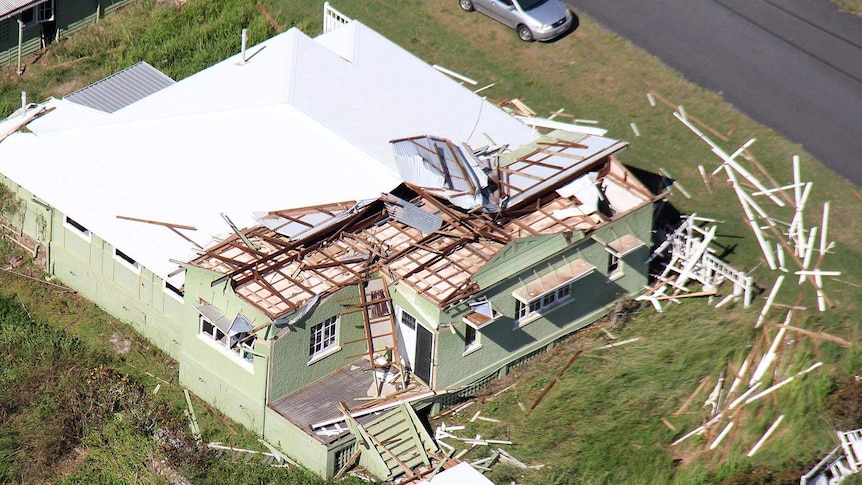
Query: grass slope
601,423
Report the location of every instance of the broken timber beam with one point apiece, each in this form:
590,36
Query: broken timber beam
554,380
817,335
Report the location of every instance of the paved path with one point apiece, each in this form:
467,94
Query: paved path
792,65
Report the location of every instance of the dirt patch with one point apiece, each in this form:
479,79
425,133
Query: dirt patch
120,345
70,464
68,87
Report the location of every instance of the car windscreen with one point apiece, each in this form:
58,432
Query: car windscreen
531,4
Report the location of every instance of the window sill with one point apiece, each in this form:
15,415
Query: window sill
616,275
469,350
323,354
234,357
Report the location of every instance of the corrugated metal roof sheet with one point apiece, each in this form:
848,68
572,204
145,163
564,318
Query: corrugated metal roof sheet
122,88
407,213
9,8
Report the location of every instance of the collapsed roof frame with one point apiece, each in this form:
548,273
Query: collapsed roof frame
420,234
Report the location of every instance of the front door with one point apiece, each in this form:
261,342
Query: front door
424,349
416,345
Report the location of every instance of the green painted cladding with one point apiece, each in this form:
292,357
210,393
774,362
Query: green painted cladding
88,265
73,15
217,375
504,340
298,444
32,41
69,17
290,355
405,297
519,255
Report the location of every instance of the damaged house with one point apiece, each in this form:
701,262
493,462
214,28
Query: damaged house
327,234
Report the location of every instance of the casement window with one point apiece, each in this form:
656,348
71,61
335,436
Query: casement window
471,339
548,291
127,260
525,310
481,314
617,249
614,268
174,292
210,331
240,340
77,228
44,12
234,338
323,338
408,320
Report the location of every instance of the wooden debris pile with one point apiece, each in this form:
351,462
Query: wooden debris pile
470,444
692,260
528,116
450,438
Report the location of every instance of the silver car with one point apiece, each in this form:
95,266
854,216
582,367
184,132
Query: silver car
532,19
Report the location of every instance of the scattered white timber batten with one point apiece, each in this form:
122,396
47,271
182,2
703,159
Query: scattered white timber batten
765,436
797,242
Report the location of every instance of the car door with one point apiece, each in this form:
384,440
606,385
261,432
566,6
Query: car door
502,11
498,10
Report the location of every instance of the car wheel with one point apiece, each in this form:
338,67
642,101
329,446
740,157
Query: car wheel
466,5
525,33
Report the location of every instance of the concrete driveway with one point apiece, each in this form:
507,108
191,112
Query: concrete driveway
792,65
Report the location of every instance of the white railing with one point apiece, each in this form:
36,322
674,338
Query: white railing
333,19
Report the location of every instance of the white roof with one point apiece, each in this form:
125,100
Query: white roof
298,124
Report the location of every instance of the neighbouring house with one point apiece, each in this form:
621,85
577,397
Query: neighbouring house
327,234
27,26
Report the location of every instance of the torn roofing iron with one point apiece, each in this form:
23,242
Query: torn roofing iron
121,89
438,164
491,182
411,215
418,236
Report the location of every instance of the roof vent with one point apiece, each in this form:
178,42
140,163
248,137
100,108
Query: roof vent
244,41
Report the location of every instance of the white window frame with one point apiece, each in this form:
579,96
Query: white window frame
77,228
408,320
476,344
212,336
127,261
38,13
615,266
527,311
240,353
325,349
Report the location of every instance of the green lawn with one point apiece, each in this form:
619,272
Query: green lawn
601,423
852,6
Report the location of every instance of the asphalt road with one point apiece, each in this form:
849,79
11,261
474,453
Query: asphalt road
792,65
